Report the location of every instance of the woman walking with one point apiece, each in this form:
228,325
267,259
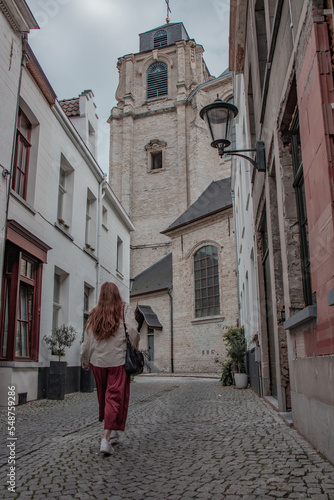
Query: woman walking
104,350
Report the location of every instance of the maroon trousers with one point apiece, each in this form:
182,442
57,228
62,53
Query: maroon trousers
113,393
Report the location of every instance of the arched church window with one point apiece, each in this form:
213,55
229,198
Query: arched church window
160,39
157,80
206,274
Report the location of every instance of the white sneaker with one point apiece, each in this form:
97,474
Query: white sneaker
113,437
106,447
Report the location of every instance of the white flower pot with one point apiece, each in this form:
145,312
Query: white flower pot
241,380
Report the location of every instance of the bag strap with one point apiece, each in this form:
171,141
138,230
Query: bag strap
125,329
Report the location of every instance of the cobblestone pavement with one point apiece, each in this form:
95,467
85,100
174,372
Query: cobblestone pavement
186,438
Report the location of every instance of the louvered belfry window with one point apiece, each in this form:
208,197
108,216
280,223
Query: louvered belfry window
157,80
160,39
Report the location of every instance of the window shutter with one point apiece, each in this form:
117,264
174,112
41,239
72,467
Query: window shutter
157,80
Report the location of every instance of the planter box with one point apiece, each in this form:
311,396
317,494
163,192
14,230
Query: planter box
241,380
57,379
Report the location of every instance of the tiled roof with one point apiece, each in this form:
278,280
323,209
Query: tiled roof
156,277
215,198
70,106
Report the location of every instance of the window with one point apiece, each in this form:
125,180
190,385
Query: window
157,80
65,190
207,300
156,160
156,155
60,296
86,308
119,255
61,193
91,139
160,39
56,300
104,217
21,157
21,299
90,232
260,22
251,113
301,209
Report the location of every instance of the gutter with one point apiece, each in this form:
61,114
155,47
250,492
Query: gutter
236,251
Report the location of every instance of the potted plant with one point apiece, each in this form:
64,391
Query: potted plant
61,337
237,350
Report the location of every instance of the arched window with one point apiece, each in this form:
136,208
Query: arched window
160,39
206,275
157,80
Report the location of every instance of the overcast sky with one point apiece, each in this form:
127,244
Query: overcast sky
79,42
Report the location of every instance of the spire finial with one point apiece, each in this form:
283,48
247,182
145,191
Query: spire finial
168,11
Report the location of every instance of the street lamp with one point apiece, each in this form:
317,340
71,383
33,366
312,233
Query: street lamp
218,116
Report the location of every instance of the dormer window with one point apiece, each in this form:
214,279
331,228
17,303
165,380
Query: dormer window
157,80
160,39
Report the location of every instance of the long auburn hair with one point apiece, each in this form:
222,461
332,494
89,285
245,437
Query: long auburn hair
106,316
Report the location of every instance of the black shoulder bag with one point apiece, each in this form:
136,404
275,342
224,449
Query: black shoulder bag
134,359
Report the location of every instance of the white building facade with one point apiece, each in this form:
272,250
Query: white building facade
65,232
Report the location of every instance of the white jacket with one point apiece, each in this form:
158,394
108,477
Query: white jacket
111,352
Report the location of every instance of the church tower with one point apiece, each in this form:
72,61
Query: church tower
160,157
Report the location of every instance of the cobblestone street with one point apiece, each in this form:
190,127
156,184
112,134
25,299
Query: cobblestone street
186,438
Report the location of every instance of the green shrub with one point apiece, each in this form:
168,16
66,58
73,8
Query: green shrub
227,376
237,348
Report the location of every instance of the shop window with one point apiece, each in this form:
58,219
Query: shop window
21,305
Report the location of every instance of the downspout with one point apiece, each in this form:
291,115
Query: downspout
99,235
171,332
6,173
236,252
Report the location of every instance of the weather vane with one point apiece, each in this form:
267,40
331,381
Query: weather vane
168,11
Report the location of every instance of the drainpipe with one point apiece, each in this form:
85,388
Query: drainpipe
99,235
236,249
171,332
